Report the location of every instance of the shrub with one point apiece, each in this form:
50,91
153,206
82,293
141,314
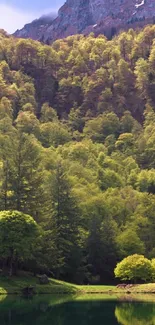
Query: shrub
134,268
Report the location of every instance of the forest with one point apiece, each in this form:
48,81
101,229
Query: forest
77,153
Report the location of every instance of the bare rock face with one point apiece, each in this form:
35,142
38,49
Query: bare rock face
85,16
73,17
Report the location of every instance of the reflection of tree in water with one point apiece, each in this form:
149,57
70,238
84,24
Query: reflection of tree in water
39,310
64,311
135,313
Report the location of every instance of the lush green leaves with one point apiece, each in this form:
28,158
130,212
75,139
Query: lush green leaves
134,268
18,233
77,149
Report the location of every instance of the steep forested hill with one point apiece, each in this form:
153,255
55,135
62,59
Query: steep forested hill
77,149
93,74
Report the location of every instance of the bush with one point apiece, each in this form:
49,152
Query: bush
153,266
18,233
134,268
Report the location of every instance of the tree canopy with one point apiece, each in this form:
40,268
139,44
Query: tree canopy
134,268
18,234
77,150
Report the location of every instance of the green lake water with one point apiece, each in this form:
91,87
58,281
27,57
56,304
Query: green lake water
80,310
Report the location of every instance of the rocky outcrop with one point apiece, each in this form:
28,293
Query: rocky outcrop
43,279
85,16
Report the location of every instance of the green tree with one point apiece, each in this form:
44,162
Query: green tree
18,233
54,134
48,114
129,243
6,108
145,181
64,219
8,136
142,76
76,121
125,142
100,242
102,126
109,178
153,265
26,176
27,122
134,268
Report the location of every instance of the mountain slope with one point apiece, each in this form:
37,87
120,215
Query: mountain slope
84,16
35,30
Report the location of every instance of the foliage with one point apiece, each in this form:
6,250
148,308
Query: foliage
18,233
140,314
77,149
135,267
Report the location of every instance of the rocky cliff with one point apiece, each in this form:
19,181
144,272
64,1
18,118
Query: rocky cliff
84,16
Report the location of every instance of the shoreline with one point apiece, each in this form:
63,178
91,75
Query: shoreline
17,285
45,290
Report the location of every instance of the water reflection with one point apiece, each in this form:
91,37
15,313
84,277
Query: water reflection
84,310
135,313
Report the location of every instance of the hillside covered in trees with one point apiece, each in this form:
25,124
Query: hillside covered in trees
77,152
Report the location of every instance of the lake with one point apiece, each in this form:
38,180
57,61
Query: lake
80,310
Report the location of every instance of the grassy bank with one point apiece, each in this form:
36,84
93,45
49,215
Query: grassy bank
14,285
141,288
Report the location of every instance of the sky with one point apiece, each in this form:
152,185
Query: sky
14,14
